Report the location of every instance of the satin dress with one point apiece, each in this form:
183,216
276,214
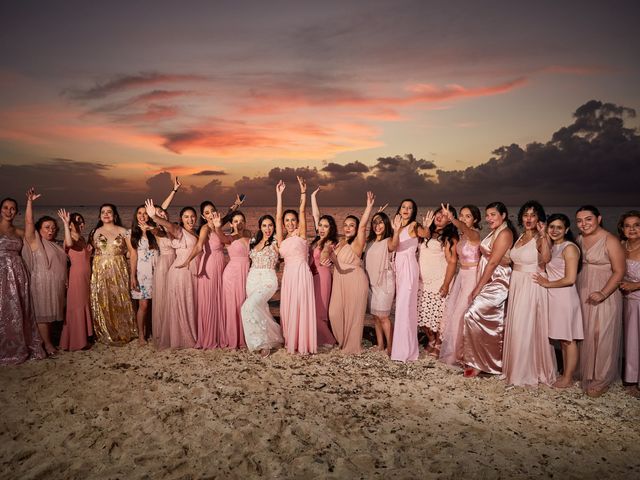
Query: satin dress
234,293
632,325
78,325
211,332
322,282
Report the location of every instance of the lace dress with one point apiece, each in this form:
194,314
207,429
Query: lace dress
433,267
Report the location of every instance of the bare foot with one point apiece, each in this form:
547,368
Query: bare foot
632,390
377,348
51,350
563,383
265,352
595,393
142,342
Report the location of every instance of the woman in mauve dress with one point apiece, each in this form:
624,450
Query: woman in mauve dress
565,314
78,326
320,264
484,319
297,298
350,288
528,357
19,336
629,232
603,268
468,252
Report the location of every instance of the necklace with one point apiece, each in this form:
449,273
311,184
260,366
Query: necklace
633,249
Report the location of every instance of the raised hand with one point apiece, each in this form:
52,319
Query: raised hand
427,220
150,208
145,227
542,229
303,184
315,192
280,187
32,195
371,199
383,207
216,219
397,222
446,211
239,200
176,184
64,216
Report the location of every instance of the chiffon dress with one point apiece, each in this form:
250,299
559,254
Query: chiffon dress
211,332
78,324
234,282
297,298
19,337
159,319
382,279
565,314
458,300
433,268
322,281
484,319
405,332
349,294
114,321
632,325
260,329
600,349
144,270
528,357
182,291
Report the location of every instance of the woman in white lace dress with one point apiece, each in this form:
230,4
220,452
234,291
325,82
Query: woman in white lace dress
261,331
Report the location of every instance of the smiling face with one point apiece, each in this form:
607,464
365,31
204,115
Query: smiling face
631,228
208,212
9,210
290,222
188,219
494,218
48,230
323,228
587,222
406,211
267,227
466,217
378,226
141,215
106,215
440,220
557,231
349,228
530,219
161,212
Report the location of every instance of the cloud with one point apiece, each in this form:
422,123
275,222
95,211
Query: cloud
208,173
353,167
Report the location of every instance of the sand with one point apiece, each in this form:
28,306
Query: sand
134,412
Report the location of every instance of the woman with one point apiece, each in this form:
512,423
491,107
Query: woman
350,288
47,264
20,339
437,258
629,233
379,266
603,267
297,299
260,329
234,277
565,315
468,253
111,307
77,326
320,264
528,357
484,319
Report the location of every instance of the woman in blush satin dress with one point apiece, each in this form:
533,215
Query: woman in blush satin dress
19,336
261,332
565,314
297,298
528,357
468,250
484,319
78,325
350,288
629,233
603,268
320,264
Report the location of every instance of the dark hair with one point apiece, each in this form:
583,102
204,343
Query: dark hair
502,210
9,199
204,205
448,233
292,212
161,232
592,209
332,235
45,218
258,237
388,229
475,213
569,235
238,213
623,217
357,220
186,209
116,219
74,219
136,232
537,209
414,213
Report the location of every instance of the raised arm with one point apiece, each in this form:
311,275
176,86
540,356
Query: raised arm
302,223
571,256
236,204
423,231
198,247
66,219
395,240
217,224
471,233
29,227
279,233
618,267
543,244
169,199
361,237
315,210
501,244
171,228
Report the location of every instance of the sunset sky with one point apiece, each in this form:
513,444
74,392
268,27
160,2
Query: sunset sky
96,98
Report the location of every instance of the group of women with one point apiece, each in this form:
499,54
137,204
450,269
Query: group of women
491,306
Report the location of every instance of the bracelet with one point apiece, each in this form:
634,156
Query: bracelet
174,190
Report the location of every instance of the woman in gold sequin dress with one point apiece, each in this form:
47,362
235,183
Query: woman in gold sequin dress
111,307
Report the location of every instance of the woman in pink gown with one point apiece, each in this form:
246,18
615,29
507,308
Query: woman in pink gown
603,267
350,288
629,232
565,315
468,250
528,357
77,326
19,336
297,298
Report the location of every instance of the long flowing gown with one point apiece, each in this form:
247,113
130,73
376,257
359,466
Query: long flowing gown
600,349
632,325
19,337
114,321
565,314
234,292
528,357
405,332
182,293
159,320
78,325
297,298
484,319
322,281
452,348
433,268
349,294
210,308
260,329
382,279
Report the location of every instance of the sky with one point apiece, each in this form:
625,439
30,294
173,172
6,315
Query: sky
107,101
